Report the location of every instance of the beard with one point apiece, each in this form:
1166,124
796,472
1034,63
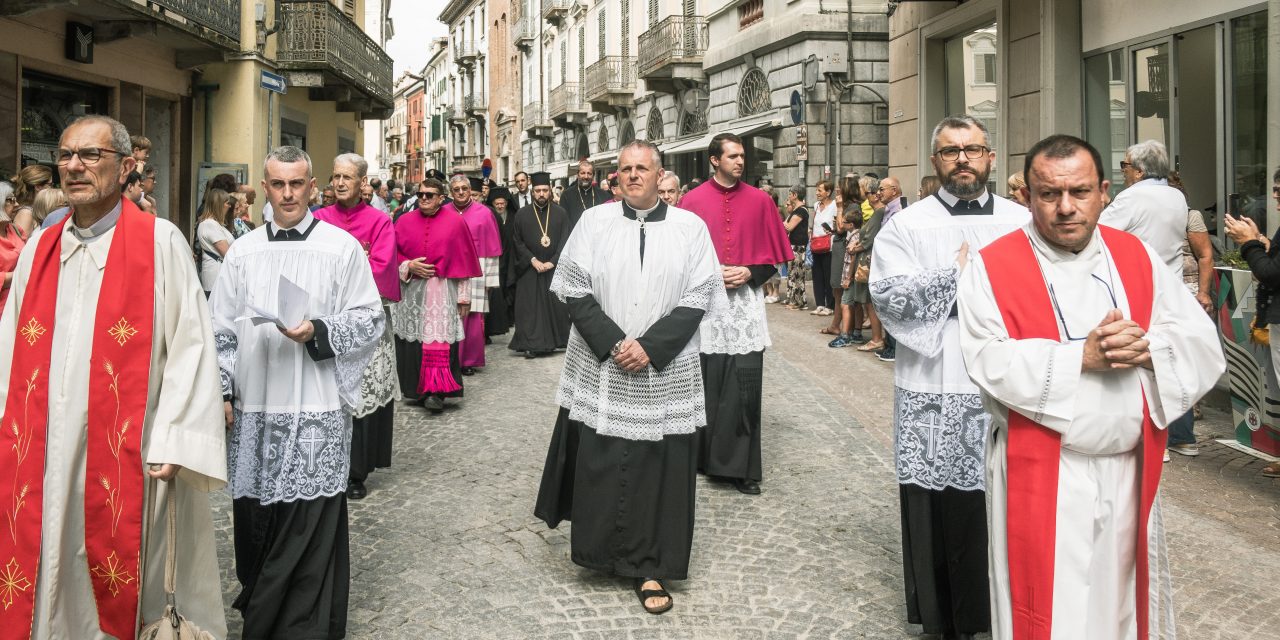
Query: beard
966,190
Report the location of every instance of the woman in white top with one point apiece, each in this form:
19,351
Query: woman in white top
212,238
824,222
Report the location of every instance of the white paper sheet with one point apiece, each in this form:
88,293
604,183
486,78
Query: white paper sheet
290,309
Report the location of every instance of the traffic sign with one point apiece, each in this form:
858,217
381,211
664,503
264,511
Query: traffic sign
274,83
797,108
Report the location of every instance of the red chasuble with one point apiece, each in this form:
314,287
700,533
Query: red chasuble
1034,450
120,364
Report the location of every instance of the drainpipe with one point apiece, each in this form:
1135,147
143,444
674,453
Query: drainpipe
836,173
1273,101
207,90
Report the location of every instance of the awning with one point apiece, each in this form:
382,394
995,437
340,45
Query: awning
604,157
558,170
741,127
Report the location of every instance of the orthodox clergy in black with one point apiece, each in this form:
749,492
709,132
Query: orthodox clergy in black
582,194
498,320
538,234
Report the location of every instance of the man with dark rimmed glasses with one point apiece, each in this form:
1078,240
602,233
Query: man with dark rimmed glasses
939,423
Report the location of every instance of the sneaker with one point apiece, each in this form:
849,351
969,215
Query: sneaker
817,311
857,338
1166,456
826,312
886,356
840,342
1189,450
770,299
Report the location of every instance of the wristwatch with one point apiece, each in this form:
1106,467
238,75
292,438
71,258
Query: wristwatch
617,348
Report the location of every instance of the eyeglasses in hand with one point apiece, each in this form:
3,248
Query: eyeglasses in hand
1067,331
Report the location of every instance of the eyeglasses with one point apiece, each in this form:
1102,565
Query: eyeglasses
427,195
1125,165
1066,331
88,155
972,152
1275,191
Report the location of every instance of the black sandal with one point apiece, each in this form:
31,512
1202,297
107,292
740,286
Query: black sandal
660,592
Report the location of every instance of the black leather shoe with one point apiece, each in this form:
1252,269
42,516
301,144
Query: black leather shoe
468,371
749,487
356,490
530,355
434,404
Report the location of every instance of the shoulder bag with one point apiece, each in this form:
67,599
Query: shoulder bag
171,626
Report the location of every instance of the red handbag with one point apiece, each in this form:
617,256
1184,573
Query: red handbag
820,244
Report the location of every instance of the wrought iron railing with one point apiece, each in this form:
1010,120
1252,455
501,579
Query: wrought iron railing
611,74
466,163
533,116
525,30
464,52
674,40
221,16
552,9
474,101
315,34
566,98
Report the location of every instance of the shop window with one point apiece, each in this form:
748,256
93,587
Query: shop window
293,133
972,75
1107,112
49,104
1250,176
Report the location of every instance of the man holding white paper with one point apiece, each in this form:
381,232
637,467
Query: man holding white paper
289,395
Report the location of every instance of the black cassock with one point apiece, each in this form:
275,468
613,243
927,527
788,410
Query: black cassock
501,298
575,200
542,320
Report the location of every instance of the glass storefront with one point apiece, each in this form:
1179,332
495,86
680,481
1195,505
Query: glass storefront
972,85
49,104
1106,111
1249,175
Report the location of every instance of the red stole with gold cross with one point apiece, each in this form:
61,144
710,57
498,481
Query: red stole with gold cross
1034,450
120,365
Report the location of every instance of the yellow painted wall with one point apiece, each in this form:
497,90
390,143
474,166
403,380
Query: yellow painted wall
323,122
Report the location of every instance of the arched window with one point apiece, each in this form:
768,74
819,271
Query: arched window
602,139
655,128
753,93
693,122
626,133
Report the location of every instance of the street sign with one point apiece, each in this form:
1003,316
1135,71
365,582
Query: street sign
273,83
797,108
802,143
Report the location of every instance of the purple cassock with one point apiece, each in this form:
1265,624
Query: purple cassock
488,243
744,223
373,229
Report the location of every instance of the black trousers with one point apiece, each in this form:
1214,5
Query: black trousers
823,296
944,558
730,443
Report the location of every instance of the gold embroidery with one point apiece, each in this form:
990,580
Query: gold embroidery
12,582
122,331
115,444
113,571
20,448
32,331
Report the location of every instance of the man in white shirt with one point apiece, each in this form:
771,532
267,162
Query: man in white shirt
1157,213
523,194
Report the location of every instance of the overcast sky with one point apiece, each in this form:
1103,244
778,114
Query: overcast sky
416,25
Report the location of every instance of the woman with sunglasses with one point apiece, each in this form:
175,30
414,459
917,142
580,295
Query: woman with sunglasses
11,241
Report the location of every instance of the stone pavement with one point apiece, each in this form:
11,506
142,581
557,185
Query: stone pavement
446,545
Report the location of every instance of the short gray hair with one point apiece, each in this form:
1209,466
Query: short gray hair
1151,158
355,160
120,140
669,176
458,177
799,191
646,145
962,121
288,154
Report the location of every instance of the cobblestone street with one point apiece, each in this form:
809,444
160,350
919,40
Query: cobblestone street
446,545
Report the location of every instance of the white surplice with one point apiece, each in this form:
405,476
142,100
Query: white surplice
1099,415
939,423
184,426
680,269
292,437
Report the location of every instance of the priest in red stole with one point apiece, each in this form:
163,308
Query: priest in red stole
106,311
1085,348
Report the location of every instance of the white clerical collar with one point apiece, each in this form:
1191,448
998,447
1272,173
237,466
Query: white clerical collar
1054,254
103,225
951,200
303,224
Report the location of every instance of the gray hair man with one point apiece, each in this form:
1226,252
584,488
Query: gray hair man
669,188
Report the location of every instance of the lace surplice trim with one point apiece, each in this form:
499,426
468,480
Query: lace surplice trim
915,307
571,281
635,406
738,326
227,345
283,457
354,336
428,312
380,384
939,439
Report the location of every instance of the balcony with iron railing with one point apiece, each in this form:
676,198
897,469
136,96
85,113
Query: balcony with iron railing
525,30
464,164
672,50
476,101
465,53
567,105
611,83
535,120
212,22
554,11
318,41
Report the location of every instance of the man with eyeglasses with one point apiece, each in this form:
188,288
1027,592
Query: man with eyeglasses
890,195
538,235
940,425
488,241
1086,348
436,259
111,392
374,414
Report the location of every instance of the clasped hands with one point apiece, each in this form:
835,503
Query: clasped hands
735,277
540,266
419,268
1116,343
631,356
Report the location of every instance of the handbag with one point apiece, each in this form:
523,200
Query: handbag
820,244
171,625
863,274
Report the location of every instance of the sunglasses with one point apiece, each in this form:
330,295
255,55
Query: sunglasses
427,195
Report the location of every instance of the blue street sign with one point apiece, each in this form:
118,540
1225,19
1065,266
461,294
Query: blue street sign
797,108
273,82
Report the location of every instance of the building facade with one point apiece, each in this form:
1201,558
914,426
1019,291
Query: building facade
1192,75
469,119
